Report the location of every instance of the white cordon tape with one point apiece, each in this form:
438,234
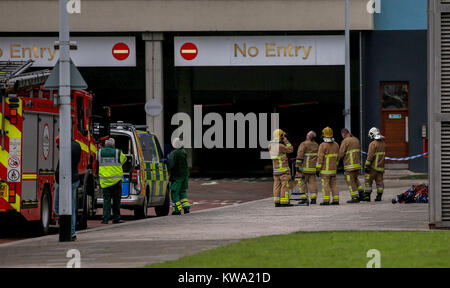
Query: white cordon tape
404,159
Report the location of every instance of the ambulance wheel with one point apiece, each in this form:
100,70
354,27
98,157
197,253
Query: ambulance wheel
163,210
44,223
141,211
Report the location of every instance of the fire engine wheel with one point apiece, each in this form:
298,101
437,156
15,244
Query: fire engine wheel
141,211
44,223
163,210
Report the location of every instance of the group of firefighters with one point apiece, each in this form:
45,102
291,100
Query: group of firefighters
314,160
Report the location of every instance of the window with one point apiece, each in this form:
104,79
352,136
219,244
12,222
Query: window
81,126
395,95
161,154
148,147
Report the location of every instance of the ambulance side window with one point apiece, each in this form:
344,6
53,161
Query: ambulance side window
148,148
161,154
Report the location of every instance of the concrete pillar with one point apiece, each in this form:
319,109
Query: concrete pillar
185,100
154,88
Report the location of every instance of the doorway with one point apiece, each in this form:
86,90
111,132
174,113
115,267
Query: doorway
395,121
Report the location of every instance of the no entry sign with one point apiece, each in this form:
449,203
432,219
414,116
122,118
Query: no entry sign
188,51
121,51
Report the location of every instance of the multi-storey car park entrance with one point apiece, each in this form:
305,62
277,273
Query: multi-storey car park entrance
307,97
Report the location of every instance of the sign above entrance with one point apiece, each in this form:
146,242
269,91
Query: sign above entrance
91,51
260,50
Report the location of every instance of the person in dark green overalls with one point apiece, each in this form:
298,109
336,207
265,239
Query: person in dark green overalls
179,178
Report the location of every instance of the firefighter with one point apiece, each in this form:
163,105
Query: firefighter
279,147
374,166
179,178
350,152
327,165
110,162
306,168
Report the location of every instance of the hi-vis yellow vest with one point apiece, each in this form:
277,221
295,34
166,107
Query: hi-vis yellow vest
110,167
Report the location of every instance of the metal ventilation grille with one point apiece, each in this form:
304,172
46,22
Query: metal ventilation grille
445,170
445,62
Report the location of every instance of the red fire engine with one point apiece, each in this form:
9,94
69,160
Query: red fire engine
28,153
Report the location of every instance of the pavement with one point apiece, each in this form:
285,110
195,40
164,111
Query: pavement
159,239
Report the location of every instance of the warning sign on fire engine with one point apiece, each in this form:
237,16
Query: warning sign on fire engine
14,146
13,175
13,172
14,162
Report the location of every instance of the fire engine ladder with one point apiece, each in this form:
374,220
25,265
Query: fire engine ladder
13,78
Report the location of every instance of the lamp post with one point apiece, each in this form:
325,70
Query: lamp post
65,128
347,109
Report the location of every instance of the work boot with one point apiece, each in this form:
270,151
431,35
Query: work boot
334,203
277,205
361,194
186,210
303,201
378,197
325,203
353,200
366,197
176,212
313,201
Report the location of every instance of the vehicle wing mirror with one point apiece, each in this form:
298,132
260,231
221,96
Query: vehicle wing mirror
100,127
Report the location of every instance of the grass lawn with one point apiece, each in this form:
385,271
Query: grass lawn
326,249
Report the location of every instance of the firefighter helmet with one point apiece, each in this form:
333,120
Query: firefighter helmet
374,133
278,134
327,132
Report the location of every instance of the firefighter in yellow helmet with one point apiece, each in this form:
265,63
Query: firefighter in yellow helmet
306,168
278,148
327,165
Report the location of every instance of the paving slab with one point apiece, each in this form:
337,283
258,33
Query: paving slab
153,240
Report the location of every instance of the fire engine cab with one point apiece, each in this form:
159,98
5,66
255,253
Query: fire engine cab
28,153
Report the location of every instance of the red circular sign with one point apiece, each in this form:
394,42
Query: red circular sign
188,51
121,51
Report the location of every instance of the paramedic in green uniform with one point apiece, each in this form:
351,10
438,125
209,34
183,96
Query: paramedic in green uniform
179,177
110,162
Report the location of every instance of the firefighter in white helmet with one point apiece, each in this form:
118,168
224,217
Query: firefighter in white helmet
279,147
374,166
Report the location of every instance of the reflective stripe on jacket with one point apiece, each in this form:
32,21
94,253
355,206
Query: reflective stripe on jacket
110,162
279,158
376,155
307,156
328,158
350,151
